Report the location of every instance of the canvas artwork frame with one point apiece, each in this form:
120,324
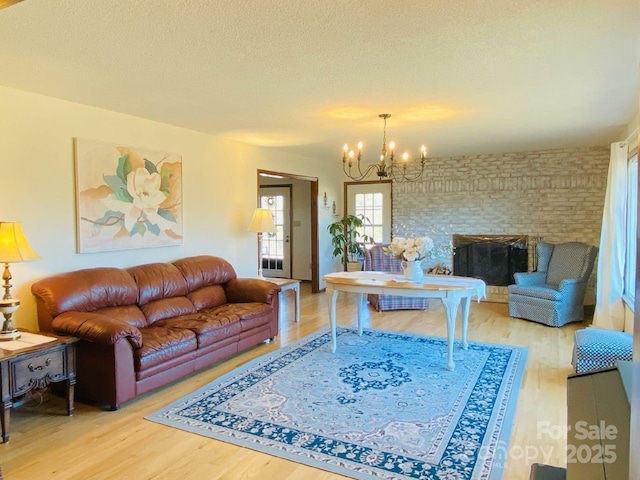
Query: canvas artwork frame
126,197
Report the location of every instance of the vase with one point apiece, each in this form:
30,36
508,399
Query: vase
412,270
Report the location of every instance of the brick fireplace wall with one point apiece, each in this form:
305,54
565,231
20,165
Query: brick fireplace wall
550,195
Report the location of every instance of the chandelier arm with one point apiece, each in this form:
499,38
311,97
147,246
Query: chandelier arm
403,177
361,175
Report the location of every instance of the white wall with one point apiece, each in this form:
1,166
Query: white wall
219,188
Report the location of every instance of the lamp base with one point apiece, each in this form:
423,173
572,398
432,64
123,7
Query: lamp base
12,335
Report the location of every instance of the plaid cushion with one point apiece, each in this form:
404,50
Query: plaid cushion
595,348
376,260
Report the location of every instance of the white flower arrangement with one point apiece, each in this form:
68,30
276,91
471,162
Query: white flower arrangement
410,249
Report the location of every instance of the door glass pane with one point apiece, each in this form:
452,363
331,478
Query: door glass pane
273,243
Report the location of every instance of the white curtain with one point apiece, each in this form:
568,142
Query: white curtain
609,311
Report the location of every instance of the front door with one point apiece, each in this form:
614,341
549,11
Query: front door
276,247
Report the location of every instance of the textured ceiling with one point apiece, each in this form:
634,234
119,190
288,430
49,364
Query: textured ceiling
306,76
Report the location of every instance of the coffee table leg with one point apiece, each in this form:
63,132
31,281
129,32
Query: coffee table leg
332,318
465,320
361,307
297,292
451,307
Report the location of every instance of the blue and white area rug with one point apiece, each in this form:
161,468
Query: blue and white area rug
384,406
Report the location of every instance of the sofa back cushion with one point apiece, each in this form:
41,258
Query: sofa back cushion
161,291
86,290
156,281
208,297
206,276
204,271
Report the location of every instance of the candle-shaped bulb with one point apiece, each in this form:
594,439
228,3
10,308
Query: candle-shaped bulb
392,145
359,146
351,154
405,156
423,152
345,148
381,158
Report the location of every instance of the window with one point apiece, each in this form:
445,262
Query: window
369,208
632,219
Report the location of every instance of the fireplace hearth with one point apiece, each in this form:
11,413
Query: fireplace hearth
493,258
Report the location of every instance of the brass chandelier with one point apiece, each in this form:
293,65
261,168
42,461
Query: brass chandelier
387,167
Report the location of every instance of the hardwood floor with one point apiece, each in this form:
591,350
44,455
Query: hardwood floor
98,444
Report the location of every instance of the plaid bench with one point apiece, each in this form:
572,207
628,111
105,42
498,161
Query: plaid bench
596,348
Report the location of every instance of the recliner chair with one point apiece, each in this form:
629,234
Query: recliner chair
554,294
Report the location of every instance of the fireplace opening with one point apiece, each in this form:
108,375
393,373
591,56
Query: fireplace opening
492,258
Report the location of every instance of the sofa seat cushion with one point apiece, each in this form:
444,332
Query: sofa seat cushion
209,327
546,292
251,314
161,344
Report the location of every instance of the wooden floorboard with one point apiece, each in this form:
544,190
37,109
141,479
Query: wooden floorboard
99,444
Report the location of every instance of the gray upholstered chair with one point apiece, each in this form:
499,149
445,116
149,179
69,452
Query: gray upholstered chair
554,294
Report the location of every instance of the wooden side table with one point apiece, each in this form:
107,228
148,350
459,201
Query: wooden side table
35,366
287,284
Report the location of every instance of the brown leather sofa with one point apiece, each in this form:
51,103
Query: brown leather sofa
148,325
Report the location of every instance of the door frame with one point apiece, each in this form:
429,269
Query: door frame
313,205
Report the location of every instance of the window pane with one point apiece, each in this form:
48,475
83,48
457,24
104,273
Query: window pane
368,206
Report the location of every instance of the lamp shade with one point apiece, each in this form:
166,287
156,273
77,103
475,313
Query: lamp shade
262,221
14,246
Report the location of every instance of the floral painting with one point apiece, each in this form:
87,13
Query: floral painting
127,197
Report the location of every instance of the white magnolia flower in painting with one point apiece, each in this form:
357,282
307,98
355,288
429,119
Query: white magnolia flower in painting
144,188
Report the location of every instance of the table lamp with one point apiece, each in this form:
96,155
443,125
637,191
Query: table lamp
261,222
13,248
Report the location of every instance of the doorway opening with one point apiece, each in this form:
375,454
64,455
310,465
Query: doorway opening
291,252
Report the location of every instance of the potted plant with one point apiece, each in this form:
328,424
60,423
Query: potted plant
348,242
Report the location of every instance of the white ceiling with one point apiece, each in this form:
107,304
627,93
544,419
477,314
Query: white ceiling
306,76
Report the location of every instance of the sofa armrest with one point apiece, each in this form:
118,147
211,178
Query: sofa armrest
245,290
530,278
96,327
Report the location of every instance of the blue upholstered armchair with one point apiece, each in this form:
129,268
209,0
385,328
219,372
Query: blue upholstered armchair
554,294
376,260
